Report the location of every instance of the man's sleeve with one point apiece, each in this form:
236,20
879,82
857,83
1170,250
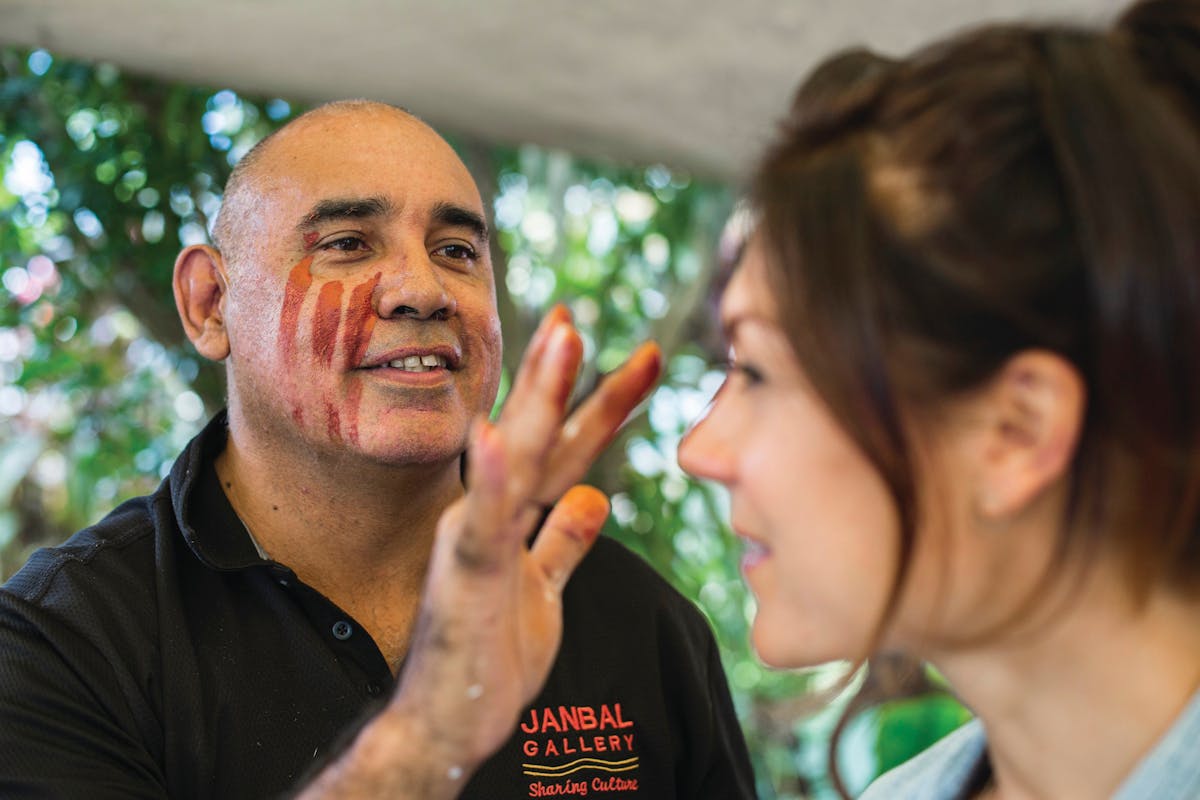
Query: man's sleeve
65,723
730,774
712,760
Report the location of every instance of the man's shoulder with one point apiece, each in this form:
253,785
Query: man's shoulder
613,569
616,586
99,558
941,772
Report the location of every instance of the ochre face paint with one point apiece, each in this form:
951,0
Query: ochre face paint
356,338
360,322
310,239
353,399
293,299
333,421
325,322
299,281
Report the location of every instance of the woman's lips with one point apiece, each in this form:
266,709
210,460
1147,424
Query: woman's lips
754,552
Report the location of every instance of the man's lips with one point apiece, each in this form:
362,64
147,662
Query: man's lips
431,357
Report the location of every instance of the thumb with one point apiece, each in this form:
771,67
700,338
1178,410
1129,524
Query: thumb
569,533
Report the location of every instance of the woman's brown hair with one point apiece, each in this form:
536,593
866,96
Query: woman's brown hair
1012,188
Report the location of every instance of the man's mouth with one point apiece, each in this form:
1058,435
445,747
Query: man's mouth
417,363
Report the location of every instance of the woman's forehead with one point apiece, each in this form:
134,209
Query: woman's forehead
748,295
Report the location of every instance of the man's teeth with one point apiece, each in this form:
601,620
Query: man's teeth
418,363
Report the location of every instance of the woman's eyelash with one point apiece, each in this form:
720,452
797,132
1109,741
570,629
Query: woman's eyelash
751,373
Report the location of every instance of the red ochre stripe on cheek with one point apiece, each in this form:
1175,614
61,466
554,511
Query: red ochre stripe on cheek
326,321
353,400
360,322
333,421
298,283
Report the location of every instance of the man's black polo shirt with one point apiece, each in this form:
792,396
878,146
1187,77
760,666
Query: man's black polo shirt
156,654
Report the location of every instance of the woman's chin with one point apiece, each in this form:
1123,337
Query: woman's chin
777,648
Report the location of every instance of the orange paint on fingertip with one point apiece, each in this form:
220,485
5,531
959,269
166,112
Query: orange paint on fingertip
584,509
632,381
647,360
559,313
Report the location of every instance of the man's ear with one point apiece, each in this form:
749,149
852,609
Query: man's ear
200,286
1036,406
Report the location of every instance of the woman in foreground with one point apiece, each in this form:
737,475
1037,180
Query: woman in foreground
963,417
963,423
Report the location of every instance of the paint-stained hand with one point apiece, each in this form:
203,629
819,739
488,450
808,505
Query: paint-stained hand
491,618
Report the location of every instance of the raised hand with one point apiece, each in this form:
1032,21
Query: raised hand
491,616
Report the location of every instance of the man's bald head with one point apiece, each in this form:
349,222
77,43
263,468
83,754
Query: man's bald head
246,181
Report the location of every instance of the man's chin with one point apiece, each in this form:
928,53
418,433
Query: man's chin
413,453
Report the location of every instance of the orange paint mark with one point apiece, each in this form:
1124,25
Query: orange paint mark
360,322
356,339
333,421
353,401
299,281
326,321
624,388
582,511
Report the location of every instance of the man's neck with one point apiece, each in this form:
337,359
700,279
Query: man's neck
1071,710
357,531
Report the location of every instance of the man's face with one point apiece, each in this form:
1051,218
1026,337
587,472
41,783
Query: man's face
361,308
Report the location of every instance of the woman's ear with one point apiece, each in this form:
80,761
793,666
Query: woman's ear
200,286
1035,409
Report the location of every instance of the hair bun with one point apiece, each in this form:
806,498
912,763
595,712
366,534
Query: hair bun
1164,37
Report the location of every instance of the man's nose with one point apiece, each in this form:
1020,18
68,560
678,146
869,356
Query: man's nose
414,287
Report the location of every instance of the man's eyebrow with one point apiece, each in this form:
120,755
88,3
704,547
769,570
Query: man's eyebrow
459,217
346,208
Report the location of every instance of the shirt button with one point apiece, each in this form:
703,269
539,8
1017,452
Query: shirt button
374,689
342,630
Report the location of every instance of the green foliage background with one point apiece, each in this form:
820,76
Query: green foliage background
105,175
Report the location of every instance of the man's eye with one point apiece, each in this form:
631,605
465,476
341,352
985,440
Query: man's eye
345,244
460,252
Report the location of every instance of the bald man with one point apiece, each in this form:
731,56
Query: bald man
242,631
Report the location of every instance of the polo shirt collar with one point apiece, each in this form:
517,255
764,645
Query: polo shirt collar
211,528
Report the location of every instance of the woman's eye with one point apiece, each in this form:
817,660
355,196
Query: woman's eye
750,374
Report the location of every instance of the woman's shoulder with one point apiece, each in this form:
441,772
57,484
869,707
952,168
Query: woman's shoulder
939,773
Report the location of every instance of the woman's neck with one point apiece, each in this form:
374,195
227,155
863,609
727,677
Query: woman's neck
1071,708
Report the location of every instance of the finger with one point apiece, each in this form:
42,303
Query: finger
482,534
569,533
532,422
534,353
597,420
